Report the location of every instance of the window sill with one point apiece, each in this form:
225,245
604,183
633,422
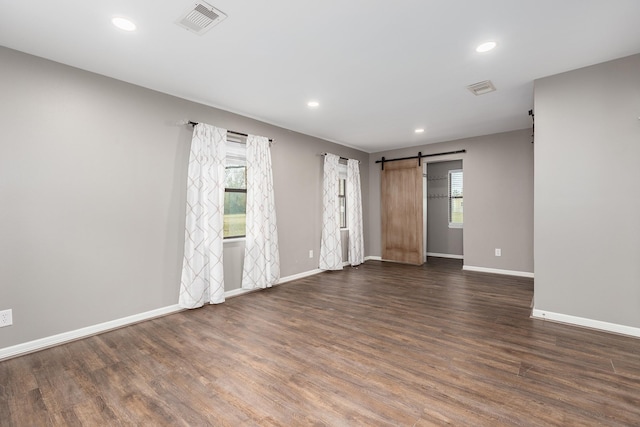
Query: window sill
233,240
455,225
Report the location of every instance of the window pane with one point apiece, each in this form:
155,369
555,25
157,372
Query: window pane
342,197
455,184
456,211
235,214
455,197
343,212
235,177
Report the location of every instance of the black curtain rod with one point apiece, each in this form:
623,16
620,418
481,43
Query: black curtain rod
228,131
341,158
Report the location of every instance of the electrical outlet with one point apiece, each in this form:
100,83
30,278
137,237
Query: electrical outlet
311,253
6,318
498,252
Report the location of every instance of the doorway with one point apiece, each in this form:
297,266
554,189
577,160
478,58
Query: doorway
443,204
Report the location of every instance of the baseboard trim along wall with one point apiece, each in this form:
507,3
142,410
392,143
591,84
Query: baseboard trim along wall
299,276
498,271
586,323
236,292
42,343
452,256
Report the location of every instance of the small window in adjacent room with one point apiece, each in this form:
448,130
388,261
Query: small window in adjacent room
455,199
235,191
342,195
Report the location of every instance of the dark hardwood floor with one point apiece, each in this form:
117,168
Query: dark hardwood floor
383,344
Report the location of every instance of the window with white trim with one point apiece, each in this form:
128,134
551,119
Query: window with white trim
342,194
235,191
455,198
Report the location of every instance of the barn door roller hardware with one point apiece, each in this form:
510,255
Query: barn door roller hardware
420,156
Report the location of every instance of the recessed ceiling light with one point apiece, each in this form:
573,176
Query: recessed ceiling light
419,130
486,47
123,23
313,104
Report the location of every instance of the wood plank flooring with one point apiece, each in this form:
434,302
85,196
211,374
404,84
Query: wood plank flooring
383,344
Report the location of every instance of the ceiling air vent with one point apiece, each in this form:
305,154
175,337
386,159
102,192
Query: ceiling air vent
201,18
481,88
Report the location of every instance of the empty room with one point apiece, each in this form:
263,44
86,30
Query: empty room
356,213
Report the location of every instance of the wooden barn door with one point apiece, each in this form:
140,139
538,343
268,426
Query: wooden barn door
401,206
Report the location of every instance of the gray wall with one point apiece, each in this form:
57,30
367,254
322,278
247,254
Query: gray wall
440,238
92,196
587,232
498,197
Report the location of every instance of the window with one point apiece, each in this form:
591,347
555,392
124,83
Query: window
455,198
342,194
235,191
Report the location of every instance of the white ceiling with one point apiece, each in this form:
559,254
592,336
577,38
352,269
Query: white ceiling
379,69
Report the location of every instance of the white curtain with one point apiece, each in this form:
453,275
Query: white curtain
261,258
202,268
354,213
330,244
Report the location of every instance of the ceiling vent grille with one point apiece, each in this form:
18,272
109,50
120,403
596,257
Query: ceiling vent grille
481,88
201,18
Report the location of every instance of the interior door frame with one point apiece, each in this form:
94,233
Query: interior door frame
425,201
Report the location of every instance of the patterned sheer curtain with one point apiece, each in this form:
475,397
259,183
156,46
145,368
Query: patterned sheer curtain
261,258
354,213
202,269
330,244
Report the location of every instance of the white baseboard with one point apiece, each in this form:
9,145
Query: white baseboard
237,292
435,254
586,323
299,276
498,271
42,343
373,258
